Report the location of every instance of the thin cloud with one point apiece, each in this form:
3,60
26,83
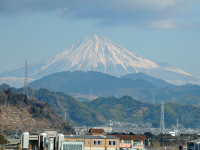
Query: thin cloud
151,13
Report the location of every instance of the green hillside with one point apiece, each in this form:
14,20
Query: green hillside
129,110
76,112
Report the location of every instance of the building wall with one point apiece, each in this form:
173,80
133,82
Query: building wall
98,144
133,144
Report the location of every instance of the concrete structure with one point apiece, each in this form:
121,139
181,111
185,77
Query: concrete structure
131,141
68,145
49,139
193,145
96,142
25,140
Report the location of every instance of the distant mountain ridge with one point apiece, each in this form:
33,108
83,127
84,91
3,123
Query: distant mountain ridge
87,82
156,82
100,84
97,53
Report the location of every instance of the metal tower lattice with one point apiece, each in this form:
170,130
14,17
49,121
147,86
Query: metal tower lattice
153,94
177,124
25,80
162,118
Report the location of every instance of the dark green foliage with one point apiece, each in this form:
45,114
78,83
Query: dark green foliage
110,108
3,140
76,112
129,110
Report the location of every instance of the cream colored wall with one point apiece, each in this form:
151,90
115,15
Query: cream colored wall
105,143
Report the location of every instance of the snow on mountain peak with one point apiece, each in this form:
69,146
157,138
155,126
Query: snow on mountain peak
97,53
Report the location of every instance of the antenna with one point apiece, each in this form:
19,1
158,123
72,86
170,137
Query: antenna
177,124
65,117
153,97
162,118
25,80
32,92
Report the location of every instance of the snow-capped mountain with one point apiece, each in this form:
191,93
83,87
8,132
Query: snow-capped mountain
97,53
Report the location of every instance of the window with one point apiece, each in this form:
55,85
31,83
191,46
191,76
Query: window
97,142
127,141
88,142
136,143
112,142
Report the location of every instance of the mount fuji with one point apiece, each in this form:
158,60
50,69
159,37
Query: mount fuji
97,53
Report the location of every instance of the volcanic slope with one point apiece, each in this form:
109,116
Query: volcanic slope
97,53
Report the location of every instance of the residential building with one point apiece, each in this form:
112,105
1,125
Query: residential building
193,145
69,145
131,141
95,142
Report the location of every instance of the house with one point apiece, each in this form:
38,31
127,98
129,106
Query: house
95,142
193,145
96,131
131,141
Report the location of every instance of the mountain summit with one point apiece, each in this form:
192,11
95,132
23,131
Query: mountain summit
97,53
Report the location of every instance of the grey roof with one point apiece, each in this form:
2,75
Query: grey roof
91,136
195,141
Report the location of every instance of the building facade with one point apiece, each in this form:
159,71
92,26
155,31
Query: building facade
131,141
95,142
193,145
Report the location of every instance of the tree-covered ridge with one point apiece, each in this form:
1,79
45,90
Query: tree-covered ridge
66,106
125,109
129,110
30,112
74,111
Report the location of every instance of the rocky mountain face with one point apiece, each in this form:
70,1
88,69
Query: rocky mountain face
97,53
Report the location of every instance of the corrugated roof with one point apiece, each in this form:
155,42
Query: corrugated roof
96,131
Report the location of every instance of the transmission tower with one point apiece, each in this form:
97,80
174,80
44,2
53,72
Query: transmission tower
162,118
25,80
177,124
153,97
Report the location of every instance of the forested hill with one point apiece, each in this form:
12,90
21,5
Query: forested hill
75,112
18,113
125,109
129,110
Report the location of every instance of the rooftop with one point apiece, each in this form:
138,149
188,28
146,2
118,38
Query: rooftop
130,137
91,137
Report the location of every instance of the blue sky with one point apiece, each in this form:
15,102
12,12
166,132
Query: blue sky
160,30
